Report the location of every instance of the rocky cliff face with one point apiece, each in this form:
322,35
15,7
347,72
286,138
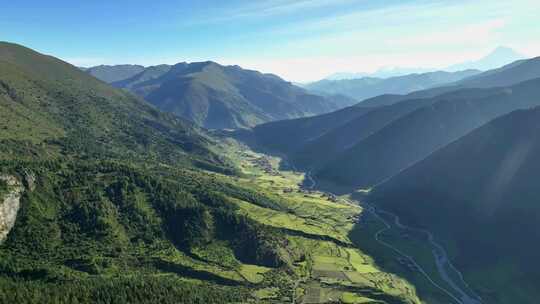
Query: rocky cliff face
10,204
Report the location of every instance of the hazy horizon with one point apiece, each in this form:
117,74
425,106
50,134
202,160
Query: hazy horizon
300,41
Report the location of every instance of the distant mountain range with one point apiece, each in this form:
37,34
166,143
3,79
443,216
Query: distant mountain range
228,97
497,58
380,73
220,97
112,73
512,73
365,144
368,87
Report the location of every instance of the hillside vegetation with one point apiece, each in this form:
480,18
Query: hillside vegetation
225,97
112,202
98,231
51,109
121,203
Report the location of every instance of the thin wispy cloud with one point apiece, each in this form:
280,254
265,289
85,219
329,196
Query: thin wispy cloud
474,34
300,40
269,8
273,8
425,33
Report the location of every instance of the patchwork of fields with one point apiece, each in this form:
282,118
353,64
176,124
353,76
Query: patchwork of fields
334,270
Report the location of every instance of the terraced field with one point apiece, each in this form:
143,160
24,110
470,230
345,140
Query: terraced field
334,269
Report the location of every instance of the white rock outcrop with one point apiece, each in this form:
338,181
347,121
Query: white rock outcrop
9,205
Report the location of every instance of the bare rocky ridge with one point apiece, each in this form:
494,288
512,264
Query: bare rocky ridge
10,205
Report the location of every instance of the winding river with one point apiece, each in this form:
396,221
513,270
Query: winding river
462,294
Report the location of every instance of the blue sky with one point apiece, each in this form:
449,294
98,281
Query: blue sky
299,40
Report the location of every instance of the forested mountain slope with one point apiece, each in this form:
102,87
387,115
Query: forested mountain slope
109,190
52,109
221,97
105,199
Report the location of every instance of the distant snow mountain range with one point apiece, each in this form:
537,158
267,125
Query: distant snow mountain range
385,72
497,58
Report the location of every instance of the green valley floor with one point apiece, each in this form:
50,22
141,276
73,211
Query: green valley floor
353,254
334,269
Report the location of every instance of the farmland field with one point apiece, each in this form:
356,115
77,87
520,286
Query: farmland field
319,224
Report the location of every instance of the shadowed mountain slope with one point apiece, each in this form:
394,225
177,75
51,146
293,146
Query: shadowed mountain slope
299,132
485,185
338,131
418,134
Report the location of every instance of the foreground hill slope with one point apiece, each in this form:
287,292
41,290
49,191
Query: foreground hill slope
220,97
52,109
106,191
103,201
485,185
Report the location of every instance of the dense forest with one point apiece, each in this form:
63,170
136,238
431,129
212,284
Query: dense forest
83,223
119,203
